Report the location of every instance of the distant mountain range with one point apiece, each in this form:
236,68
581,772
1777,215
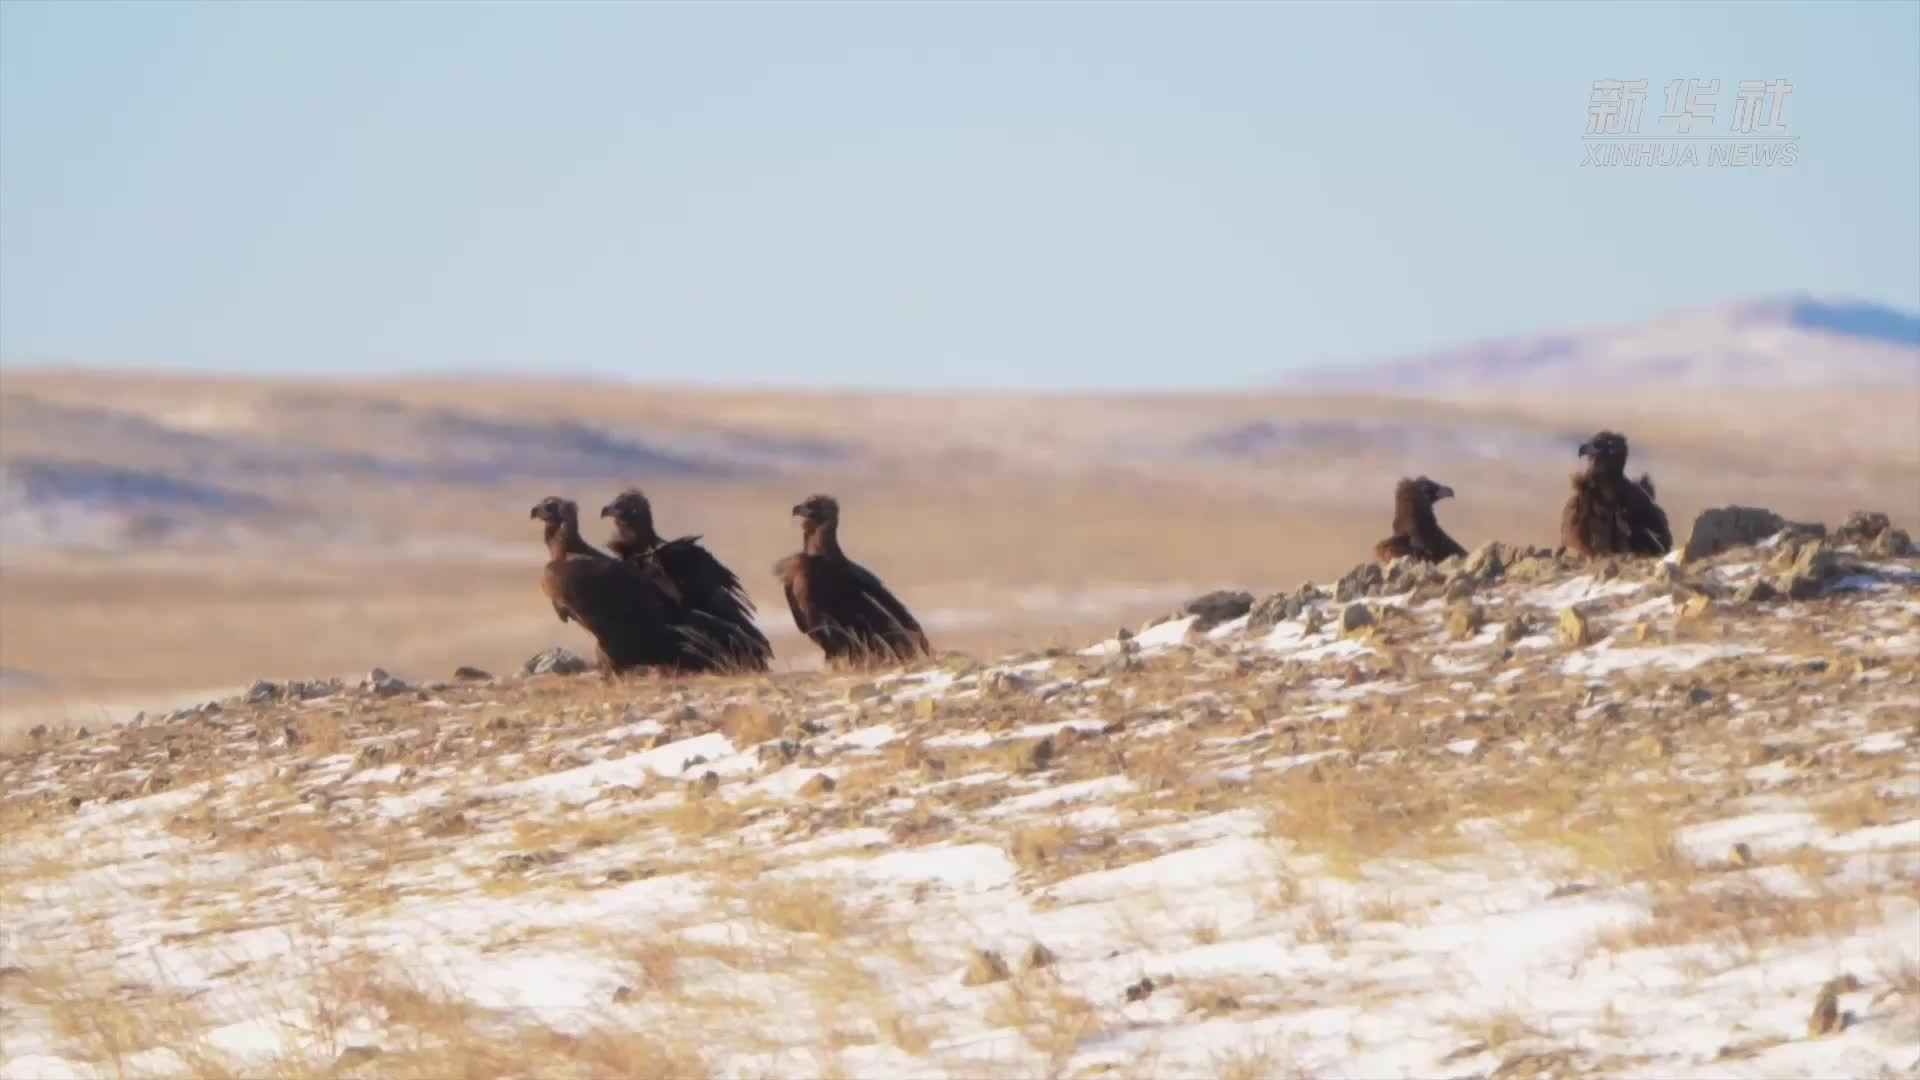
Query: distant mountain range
239,458
1778,342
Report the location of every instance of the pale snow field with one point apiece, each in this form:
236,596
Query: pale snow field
1263,953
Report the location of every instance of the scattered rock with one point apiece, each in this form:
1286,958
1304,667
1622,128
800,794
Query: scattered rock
1827,1017
1039,756
778,754
1460,586
555,661
817,785
1757,591
1862,527
522,861
1725,527
1005,682
262,692
1488,563
1038,957
383,684
1574,630
463,673
985,967
1354,618
1696,607
310,689
1517,627
1699,695
1892,544
1311,621
1362,580
1216,607
1464,621
1141,990
623,995
1532,568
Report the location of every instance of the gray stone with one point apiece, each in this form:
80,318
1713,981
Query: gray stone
1574,630
1362,580
1214,608
1719,529
1354,618
384,684
1488,563
262,692
1891,544
555,661
1281,607
1757,591
1862,527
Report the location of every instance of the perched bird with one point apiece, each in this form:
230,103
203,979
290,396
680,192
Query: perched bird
629,611
1416,531
840,604
1609,514
720,614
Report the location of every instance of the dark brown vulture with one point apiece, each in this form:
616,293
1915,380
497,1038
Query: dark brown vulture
1609,514
720,612
630,613
840,604
1416,532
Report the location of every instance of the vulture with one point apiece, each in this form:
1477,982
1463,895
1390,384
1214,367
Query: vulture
1416,531
720,614
1609,514
840,604
630,612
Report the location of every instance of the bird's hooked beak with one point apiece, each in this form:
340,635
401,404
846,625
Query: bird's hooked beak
607,510
1586,449
800,511
1442,491
535,512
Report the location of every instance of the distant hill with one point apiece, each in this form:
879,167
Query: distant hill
1772,342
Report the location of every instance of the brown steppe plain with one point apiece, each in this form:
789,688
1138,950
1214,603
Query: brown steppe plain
1004,521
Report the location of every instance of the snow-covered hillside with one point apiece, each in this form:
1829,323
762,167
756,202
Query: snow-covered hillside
1514,816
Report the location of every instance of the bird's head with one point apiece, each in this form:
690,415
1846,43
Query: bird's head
817,510
555,510
1432,490
1606,449
630,508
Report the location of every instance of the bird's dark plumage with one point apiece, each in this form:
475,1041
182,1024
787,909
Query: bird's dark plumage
1416,531
720,614
840,604
1609,514
629,612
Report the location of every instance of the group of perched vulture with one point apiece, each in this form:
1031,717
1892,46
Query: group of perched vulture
670,606
1607,514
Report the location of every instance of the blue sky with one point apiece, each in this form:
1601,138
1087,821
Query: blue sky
993,195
